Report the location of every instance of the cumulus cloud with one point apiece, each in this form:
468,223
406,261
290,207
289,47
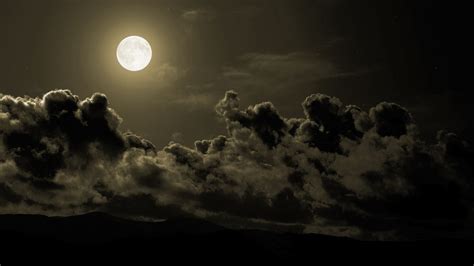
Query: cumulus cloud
338,170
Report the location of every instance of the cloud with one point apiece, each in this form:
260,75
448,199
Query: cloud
199,15
271,72
292,64
338,170
296,66
167,73
277,71
194,100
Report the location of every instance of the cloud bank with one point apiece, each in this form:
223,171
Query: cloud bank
337,170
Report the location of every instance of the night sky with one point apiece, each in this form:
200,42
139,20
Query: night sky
279,51
342,134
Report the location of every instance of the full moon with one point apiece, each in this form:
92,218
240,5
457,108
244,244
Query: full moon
134,53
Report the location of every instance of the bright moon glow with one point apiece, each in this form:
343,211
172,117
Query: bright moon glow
134,53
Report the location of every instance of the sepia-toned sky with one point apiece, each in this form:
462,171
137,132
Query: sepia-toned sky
363,52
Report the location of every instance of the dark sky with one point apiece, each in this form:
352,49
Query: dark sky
363,52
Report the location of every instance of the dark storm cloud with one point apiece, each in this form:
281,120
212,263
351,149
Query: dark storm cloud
337,170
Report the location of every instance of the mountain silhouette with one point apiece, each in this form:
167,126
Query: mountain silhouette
187,238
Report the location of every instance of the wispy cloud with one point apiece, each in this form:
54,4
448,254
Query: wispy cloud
199,15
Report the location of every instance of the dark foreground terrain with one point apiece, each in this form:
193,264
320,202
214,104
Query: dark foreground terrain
49,239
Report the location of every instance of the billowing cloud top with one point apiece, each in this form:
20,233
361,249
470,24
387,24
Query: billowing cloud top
338,170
